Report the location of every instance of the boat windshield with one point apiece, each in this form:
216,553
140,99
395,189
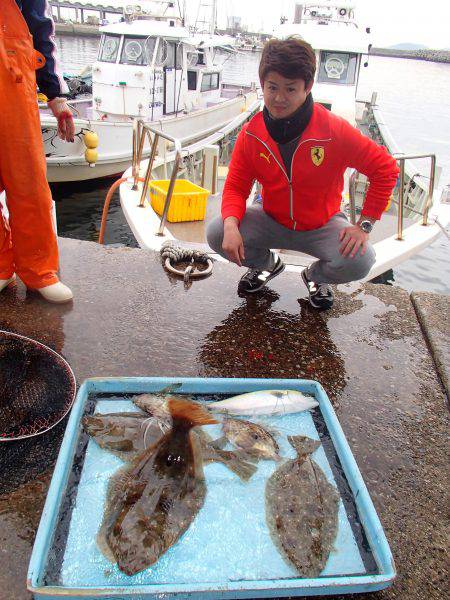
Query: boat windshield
137,50
109,48
337,67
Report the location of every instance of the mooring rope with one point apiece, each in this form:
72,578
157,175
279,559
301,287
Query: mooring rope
172,255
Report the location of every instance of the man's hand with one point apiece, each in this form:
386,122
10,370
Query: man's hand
352,239
233,244
66,127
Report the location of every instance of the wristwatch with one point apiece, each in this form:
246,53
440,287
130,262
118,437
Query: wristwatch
366,226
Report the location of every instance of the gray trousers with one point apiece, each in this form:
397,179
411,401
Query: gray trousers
261,233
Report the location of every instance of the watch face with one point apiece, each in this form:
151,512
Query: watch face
366,226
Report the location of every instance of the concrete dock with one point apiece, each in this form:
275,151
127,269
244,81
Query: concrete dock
371,354
78,29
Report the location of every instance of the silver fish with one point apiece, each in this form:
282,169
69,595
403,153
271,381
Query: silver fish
302,510
265,402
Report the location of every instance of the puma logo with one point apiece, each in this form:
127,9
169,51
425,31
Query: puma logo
262,155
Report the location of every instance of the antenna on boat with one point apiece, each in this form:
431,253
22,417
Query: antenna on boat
214,17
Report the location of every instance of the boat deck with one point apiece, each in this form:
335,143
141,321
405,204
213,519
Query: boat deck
194,232
131,318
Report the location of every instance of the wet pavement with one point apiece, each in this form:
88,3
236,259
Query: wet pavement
130,318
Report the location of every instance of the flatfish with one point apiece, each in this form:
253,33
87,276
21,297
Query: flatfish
255,439
302,510
158,495
126,434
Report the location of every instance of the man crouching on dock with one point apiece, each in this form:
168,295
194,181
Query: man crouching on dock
298,151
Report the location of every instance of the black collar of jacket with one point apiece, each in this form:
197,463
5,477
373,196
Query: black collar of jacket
286,130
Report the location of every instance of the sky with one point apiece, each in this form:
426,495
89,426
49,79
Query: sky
391,21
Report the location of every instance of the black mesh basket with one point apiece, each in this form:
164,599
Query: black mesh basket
37,387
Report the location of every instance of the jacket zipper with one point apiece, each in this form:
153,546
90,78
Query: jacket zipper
270,152
291,195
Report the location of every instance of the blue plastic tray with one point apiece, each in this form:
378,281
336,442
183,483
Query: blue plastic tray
242,562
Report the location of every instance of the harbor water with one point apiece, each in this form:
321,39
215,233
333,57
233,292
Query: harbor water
412,94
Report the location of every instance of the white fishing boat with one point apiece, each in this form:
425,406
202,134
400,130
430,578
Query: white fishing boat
252,44
419,208
150,67
341,46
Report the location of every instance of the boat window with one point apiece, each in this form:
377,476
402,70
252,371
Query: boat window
168,52
192,80
214,81
210,81
201,56
137,50
170,62
109,48
337,67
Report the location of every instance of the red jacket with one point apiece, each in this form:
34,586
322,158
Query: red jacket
327,147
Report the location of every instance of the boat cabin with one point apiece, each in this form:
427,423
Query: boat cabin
340,44
151,66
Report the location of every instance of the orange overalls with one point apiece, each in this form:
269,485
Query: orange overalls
28,246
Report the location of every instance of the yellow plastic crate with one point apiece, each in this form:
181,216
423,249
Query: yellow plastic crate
188,201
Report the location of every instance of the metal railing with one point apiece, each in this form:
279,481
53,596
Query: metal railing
401,195
351,196
141,131
429,198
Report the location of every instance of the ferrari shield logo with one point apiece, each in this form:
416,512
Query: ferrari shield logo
317,155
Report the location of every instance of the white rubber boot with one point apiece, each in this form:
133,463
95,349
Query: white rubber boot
5,282
58,293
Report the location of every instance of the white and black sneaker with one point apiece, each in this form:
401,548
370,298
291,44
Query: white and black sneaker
320,294
253,280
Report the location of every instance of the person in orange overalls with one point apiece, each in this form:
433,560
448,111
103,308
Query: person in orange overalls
28,244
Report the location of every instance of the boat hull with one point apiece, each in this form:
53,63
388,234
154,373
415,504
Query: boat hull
66,161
